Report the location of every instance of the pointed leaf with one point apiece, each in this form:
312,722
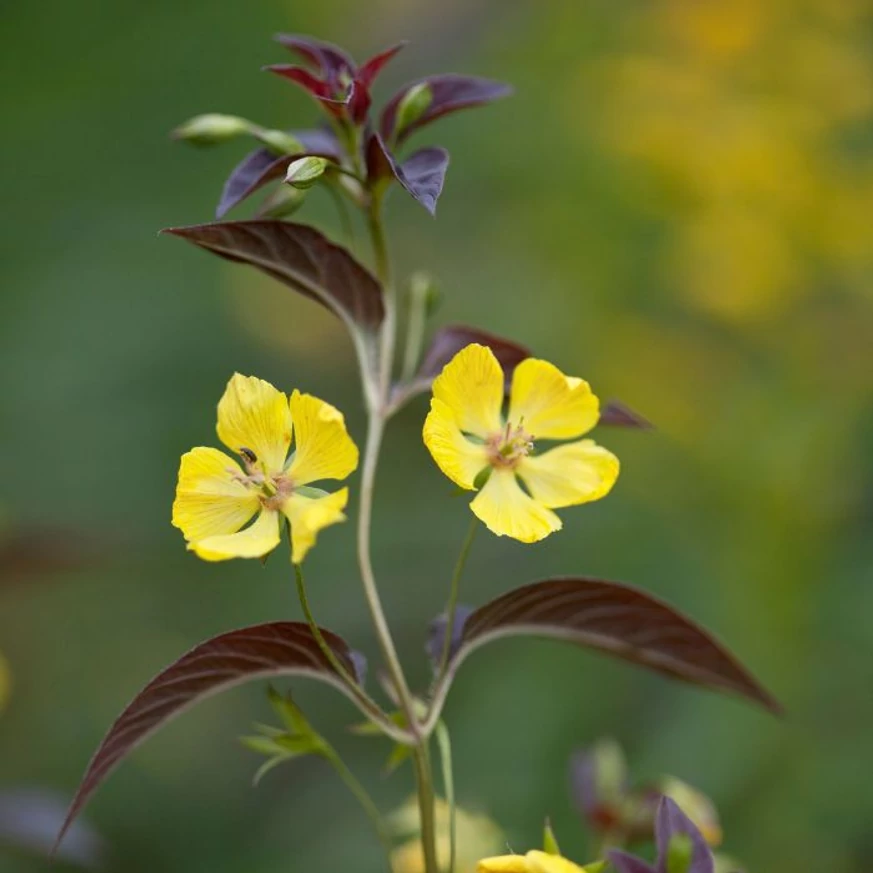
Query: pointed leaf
625,863
398,755
273,649
252,172
330,59
615,414
449,93
371,68
448,341
670,822
422,174
302,77
306,261
550,841
613,618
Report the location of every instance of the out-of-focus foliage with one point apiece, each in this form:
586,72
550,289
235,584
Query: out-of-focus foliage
674,205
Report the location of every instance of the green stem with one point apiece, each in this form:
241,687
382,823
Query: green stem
445,746
366,703
415,325
454,588
364,799
424,782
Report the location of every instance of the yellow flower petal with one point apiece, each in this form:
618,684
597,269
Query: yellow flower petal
254,415
542,862
507,511
255,541
471,386
209,500
308,515
550,405
570,474
323,448
504,864
459,458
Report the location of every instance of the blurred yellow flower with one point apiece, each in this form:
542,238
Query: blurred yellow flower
5,682
533,862
215,497
477,448
477,835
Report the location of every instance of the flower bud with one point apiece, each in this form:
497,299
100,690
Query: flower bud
423,291
211,129
279,142
305,172
412,106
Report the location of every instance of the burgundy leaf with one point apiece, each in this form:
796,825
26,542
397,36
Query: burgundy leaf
616,414
625,863
448,341
252,172
306,80
359,101
422,174
449,93
302,258
273,649
671,821
330,59
616,619
371,68
319,141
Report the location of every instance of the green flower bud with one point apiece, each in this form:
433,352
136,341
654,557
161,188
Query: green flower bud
279,142
211,129
412,106
423,291
305,172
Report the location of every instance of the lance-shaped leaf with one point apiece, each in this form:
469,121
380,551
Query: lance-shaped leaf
306,261
273,649
613,618
332,62
616,414
448,93
371,68
261,166
422,174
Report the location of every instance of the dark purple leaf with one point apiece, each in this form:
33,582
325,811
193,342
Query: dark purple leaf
30,819
436,634
448,341
616,414
616,619
625,863
359,101
449,93
331,60
302,258
671,821
371,68
301,76
252,172
274,649
422,174
318,141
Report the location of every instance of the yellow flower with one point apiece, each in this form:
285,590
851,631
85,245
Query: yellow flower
216,497
470,439
533,862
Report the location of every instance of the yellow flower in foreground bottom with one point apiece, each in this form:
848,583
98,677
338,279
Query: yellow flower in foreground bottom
533,862
470,439
216,497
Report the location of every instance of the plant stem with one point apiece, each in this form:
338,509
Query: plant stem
378,412
366,703
364,799
445,746
454,588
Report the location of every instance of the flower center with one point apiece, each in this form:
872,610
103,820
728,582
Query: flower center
507,448
274,488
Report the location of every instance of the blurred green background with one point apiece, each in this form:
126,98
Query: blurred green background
675,205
